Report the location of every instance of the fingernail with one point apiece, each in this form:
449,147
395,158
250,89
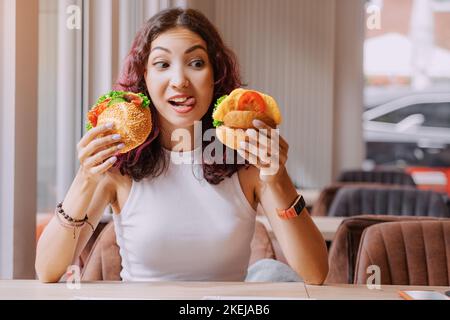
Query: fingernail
116,136
109,125
120,146
258,123
112,159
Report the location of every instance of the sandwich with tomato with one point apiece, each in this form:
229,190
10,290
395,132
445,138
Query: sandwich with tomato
234,113
130,113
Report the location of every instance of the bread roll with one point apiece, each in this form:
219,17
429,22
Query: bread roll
235,113
132,122
130,114
244,119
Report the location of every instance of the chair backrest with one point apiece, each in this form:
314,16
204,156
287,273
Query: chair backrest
407,253
350,201
326,197
103,261
344,248
378,176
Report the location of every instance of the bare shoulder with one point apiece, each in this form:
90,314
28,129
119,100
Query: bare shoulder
119,187
248,178
112,180
251,172
113,175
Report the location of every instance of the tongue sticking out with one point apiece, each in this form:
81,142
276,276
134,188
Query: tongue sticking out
189,102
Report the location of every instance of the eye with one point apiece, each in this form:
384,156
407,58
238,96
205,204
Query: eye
161,65
198,63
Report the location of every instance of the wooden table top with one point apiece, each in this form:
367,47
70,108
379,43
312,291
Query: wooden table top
327,226
34,289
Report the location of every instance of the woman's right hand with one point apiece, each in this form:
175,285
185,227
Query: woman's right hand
96,151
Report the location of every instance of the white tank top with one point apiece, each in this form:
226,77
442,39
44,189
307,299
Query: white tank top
178,227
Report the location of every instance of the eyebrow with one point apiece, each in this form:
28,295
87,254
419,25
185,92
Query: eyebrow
193,48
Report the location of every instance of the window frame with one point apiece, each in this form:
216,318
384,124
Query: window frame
18,137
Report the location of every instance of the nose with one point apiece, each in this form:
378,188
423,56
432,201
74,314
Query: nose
179,79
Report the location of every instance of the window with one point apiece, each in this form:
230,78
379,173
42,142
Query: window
407,71
48,20
59,99
441,5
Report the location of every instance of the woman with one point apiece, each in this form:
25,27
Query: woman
174,222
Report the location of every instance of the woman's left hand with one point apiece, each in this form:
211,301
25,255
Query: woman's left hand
265,149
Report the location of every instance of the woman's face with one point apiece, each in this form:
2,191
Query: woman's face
179,78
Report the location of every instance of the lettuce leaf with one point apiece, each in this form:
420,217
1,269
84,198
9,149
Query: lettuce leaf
116,100
112,95
119,95
145,100
217,123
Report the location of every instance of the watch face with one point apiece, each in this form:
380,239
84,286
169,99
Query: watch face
300,205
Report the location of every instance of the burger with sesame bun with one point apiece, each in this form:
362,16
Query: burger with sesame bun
130,113
234,113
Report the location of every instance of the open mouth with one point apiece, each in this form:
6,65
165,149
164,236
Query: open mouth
182,102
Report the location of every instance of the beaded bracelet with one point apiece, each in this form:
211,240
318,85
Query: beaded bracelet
70,222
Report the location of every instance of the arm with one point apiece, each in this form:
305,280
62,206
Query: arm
301,241
57,248
89,194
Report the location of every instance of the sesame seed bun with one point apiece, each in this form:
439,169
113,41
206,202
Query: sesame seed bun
133,123
131,116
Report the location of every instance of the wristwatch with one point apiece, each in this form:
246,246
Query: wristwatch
294,210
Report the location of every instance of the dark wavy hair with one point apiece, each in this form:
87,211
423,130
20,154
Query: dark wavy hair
149,160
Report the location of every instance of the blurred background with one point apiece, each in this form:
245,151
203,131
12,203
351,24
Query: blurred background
289,50
361,84
406,116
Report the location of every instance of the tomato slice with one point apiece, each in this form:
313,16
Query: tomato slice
92,118
133,98
96,111
251,101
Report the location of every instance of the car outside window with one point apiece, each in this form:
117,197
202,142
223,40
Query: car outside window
435,114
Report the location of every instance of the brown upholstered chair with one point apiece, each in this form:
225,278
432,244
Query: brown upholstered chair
344,248
350,201
407,252
102,259
398,177
327,195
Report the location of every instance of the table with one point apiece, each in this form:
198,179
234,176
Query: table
33,289
310,195
327,226
361,292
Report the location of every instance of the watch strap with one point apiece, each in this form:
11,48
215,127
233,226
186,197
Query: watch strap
294,210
